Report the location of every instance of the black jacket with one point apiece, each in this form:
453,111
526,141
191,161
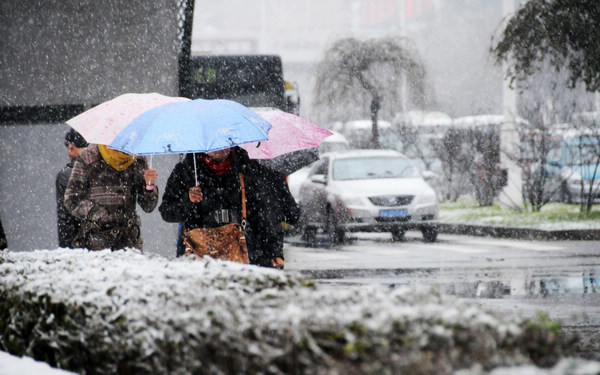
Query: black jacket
280,198
223,192
68,225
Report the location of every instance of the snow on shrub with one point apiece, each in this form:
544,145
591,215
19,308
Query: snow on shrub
130,313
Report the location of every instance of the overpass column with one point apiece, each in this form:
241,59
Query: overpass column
511,196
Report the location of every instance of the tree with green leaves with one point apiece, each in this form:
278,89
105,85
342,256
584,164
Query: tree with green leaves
357,78
565,32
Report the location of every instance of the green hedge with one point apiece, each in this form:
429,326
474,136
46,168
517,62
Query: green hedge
128,313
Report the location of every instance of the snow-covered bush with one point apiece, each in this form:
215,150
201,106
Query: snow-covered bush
129,313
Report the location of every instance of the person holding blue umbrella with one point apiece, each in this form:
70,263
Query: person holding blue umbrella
204,191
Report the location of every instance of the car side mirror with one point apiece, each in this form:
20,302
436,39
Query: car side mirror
318,179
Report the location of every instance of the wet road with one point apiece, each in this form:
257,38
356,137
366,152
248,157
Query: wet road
560,278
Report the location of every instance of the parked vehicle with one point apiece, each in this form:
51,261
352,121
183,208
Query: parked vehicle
573,170
253,80
419,132
335,142
366,191
360,132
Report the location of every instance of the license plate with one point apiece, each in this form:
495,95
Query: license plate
393,213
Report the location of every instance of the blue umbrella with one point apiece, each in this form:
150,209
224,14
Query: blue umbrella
188,127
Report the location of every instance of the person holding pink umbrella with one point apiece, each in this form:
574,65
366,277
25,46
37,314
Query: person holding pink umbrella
103,190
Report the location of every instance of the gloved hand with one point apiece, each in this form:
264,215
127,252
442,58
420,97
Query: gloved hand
98,214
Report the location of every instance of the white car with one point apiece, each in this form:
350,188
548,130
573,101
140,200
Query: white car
335,142
366,191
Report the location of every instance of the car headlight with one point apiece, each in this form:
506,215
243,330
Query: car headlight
428,196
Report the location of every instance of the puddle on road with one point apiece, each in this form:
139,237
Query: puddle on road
526,286
531,286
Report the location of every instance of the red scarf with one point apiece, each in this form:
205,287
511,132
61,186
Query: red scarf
218,168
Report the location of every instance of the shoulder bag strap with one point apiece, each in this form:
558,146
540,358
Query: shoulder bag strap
243,201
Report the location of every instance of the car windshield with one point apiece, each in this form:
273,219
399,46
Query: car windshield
372,167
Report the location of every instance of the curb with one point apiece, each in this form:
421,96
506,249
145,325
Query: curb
520,233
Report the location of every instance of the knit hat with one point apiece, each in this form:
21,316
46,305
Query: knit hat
76,139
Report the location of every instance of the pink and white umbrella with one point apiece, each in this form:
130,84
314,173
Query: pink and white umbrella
105,121
289,133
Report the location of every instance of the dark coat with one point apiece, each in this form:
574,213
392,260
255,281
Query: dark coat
223,192
3,244
68,225
280,198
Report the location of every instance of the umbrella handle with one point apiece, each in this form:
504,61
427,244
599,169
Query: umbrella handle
195,170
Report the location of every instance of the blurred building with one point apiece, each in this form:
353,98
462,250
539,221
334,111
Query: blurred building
452,36
72,52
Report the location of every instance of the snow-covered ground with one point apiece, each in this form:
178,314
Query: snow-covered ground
564,367
13,365
462,216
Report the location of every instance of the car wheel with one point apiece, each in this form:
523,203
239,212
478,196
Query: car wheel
429,234
398,235
336,235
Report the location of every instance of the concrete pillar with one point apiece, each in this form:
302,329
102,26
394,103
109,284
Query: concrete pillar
511,196
57,52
